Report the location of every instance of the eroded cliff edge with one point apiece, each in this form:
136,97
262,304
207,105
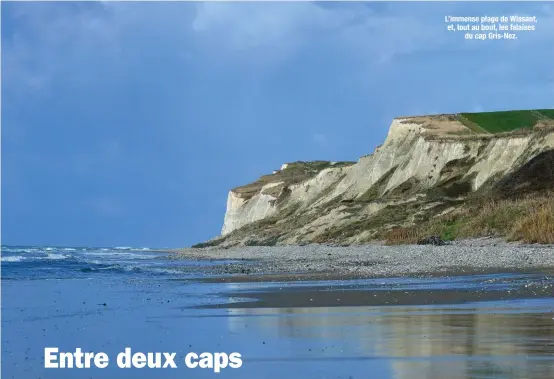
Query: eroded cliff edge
429,168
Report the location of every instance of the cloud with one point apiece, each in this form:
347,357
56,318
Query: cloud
285,27
42,42
268,23
53,41
75,43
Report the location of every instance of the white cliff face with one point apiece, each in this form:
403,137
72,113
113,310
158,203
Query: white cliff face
370,169
310,191
241,212
232,215
412,153
500,157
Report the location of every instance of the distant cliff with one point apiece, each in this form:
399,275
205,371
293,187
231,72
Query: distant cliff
429,171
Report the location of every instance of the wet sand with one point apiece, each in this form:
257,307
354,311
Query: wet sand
319,276
318,324
296,330
291,265
339,297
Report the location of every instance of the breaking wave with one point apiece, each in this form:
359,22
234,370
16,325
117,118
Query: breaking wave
13,258
20,258
23,262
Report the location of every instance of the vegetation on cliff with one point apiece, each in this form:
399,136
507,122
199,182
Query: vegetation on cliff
498,122
455,176
295,172
528,219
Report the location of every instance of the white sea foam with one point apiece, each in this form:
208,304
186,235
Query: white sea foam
163,270
55,256
118,254
15,258
19,258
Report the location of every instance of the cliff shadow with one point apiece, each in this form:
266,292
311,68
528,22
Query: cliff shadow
537,175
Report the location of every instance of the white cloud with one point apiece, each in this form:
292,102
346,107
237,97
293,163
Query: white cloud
62,41
248,25
67,41
288,26
48,42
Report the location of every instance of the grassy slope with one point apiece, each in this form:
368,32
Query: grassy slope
497,122
547,112
529,219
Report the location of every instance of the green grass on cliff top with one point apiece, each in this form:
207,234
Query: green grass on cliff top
497,122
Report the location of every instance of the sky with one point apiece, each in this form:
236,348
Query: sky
126,124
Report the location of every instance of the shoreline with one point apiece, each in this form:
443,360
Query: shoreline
336,296
331,276
321,262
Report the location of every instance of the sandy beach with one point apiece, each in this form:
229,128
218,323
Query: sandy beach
321,319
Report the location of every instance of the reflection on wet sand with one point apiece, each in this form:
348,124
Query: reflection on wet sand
478,341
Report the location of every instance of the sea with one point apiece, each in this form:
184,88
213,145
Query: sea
109,299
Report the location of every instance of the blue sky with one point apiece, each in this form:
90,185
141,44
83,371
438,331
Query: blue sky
127,123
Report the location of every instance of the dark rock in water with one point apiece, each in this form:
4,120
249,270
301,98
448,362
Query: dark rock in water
431,240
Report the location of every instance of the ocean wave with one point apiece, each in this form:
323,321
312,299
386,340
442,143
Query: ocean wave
100,268
19,250
13,258
54,256
20,258
115,268
96,269
123,248
163,271
9,250
117,254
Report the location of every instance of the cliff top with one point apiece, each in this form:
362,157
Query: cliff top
291,173
458,126
483,122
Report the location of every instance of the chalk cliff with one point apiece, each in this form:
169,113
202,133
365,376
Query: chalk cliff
427,167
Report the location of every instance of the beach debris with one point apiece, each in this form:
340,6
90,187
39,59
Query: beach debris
431,240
